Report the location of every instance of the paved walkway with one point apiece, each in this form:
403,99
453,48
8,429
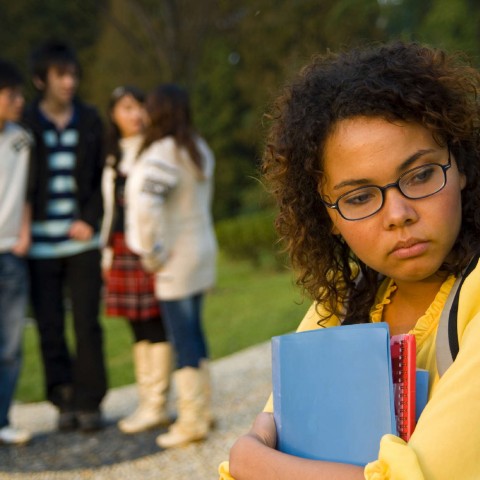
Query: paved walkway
241,385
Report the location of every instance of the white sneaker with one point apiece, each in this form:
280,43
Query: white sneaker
14,436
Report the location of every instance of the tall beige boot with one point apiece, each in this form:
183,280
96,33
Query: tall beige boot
153,363
207,386
193,421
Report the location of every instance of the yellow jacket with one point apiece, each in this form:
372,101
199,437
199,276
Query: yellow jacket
446,441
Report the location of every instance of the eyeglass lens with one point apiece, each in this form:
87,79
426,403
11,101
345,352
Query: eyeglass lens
417,183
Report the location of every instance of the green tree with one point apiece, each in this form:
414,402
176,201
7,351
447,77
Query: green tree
450,24
26,23
402,19
454,25
221,114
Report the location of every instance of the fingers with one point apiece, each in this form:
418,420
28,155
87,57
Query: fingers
81,231
264,429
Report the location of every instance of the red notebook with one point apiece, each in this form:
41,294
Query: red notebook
403,352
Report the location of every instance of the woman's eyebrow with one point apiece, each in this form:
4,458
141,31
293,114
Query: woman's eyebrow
400,169
413,158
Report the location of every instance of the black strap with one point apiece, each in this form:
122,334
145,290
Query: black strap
452,318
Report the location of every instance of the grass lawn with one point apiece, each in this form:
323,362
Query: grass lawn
248,306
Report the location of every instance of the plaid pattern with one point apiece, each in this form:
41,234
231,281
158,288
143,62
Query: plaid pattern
129,289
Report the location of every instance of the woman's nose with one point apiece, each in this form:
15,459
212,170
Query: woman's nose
398,210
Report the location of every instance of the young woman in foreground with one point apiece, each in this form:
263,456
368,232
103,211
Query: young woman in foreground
374,159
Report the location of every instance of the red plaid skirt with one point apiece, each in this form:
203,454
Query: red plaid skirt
129,289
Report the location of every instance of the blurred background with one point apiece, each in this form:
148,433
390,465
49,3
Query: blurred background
233,56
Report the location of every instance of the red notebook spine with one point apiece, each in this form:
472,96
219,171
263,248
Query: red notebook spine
403,350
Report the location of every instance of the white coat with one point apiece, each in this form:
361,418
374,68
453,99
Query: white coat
168,218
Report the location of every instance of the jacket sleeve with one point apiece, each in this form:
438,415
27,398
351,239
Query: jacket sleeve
91,206
32,172
108,192
159,177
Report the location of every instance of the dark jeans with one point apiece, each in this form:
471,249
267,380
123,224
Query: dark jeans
182,320
13,301
84,371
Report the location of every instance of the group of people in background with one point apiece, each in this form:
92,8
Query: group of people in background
131,204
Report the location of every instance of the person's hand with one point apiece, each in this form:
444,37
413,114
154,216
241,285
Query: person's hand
264,429
154,260
20,249
151,263
249,450
80,230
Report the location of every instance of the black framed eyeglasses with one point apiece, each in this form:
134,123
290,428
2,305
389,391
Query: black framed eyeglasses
419,182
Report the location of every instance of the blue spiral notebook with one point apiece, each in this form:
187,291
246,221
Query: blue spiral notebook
333,392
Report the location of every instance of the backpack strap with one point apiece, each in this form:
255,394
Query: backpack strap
447,346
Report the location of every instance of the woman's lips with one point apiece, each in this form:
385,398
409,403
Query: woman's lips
409,248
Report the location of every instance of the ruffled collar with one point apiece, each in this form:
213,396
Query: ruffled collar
428,321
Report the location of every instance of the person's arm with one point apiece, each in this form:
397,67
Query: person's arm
151,182
253,457
91,208
23,244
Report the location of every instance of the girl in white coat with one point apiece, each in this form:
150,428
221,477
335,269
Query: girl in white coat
171,189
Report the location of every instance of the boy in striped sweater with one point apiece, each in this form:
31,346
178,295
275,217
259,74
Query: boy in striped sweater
65,192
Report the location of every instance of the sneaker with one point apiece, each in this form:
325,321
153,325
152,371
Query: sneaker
14,436
89,421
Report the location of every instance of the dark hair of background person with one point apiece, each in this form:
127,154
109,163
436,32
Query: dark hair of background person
168,107
113,134
10,77
397,81
52,53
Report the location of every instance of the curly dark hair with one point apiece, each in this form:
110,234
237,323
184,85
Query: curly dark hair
397,81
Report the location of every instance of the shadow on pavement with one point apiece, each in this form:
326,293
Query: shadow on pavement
75,450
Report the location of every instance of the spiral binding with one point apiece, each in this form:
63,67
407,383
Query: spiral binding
402,392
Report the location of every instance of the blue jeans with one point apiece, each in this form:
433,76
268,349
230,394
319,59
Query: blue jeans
13,302
182,320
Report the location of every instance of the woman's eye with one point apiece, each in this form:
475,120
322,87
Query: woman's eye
359,198
421,176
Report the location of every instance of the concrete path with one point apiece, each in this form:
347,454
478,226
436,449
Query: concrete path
241,385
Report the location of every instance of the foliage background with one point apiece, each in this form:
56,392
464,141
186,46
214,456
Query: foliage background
233,56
